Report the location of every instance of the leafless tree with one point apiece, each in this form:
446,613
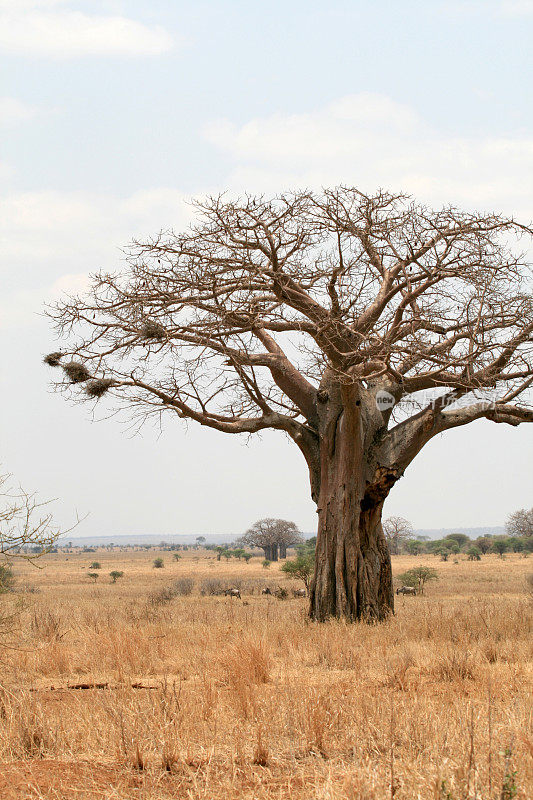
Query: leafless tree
273,536
25,522
397,530
520,523
360,326
287,535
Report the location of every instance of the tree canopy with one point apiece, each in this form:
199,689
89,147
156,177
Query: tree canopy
273,536
520,523
376,288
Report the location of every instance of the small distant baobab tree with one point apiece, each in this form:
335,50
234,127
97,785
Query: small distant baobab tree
359,326
273,536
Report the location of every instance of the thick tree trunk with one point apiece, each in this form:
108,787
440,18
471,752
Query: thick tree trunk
283,551
353,577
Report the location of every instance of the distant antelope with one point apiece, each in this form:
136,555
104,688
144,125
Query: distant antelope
266,591
299,593
406,590
233,593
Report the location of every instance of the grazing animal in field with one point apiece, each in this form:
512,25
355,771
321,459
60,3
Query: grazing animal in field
266,591
299,593
233,593
406,590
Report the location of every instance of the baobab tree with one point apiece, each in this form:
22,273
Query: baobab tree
287,535
273,536
397,530
359,326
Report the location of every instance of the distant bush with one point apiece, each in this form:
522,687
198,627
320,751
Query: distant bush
183,586
213,587
265,563
158,563
474,554
418,577
500,545
95,565
302,567
177,557
115,575
161,597
93,575
7,579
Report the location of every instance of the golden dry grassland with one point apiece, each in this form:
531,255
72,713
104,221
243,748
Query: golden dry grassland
215,698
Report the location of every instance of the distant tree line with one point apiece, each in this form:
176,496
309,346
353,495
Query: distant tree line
519,539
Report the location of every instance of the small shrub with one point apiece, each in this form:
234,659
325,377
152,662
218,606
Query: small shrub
158,563
212,587
265,563
183,586
161,597
177,557
418,577
302,567
95,565
500,545
7,579
474,554
93,575
115,575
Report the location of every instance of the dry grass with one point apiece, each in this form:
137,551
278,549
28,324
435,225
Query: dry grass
248,700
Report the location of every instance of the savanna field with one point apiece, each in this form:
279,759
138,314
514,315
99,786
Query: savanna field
127,690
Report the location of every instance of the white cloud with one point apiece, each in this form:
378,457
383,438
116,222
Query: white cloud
491,8
371,141
13,111
37,29
24,5
516,8
50,241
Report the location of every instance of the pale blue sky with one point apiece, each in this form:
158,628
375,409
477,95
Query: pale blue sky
112,114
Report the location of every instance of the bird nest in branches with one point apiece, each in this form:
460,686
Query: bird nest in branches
53,359
152,330
76,372
98,387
